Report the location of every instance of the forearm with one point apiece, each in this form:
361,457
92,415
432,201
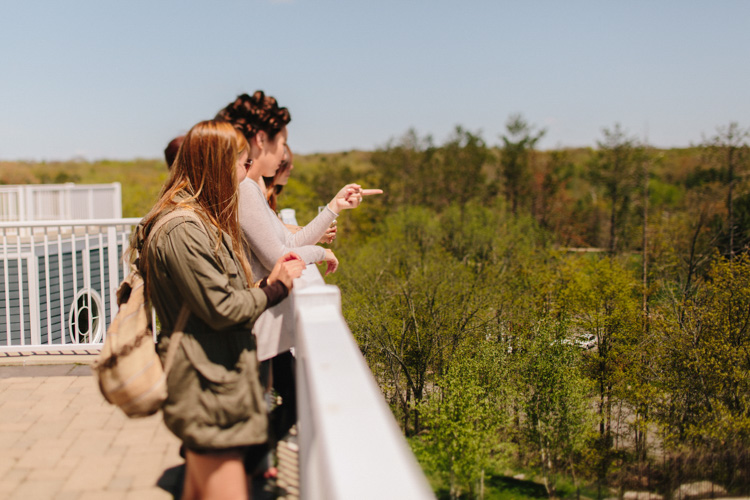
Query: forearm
314,231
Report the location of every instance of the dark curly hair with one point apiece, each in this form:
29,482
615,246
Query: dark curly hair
251,114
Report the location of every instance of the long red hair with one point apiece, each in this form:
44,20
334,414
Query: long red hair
203,178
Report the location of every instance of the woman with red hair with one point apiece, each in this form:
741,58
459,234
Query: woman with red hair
194,263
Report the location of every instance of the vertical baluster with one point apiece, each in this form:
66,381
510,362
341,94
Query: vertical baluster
102,284
87,278
61,276
20,289
47,285
74,304
7,288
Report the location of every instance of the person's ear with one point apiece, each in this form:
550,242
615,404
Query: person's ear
260,139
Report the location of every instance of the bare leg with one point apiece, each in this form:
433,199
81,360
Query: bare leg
189,488
215,477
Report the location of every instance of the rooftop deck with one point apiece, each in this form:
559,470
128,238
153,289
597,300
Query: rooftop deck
60,439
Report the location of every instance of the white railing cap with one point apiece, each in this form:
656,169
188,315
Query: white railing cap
350,443
132,221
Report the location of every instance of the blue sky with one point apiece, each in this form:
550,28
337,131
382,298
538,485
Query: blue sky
105,79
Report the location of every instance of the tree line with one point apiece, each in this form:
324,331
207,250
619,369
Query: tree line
578,313
582,313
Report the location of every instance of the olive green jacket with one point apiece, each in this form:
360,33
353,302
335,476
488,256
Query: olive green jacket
214,398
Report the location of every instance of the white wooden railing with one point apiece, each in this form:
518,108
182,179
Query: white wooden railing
350,443
44,202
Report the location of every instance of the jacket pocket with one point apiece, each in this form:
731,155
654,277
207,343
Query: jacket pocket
225,397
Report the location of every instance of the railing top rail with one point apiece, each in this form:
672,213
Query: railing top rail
57,187
350,443
73,222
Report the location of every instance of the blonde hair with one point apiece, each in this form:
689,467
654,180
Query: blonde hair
204,173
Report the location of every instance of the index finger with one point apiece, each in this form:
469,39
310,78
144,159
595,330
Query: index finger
368,192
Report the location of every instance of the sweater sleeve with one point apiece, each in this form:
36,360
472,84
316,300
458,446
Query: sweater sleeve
312,232
265,233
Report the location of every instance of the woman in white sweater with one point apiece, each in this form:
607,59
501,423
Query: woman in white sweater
264,123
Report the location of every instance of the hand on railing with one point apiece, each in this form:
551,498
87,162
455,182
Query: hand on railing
287,268
332,263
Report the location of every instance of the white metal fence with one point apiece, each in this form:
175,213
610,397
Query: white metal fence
58,280
43,202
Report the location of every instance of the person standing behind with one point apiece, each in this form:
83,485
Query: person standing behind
274,186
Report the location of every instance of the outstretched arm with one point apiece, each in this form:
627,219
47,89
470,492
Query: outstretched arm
266,234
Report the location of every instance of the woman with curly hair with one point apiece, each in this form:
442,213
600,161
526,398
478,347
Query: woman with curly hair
264,124
194,265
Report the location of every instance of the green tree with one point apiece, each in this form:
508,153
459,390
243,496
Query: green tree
552,203
405,170
465,416
614,169
517,148
413,171
554,395
459,169
731,150
603,300
411,305
706,360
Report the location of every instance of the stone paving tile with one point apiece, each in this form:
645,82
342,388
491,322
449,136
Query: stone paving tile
103,495
89,447
12,480
115,421
120,483
148,494
89,421
50,427
61,470
60,440
6,463
92,475
8,438
36,489
12,415
53,386
41,457
67,495
73,389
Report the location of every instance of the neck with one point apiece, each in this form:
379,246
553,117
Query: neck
258,180
255,171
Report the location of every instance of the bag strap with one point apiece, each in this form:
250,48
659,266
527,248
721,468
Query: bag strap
176,337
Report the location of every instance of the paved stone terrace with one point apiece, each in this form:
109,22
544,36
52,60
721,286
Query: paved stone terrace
60,440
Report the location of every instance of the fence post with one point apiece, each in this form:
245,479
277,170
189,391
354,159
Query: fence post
114,281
